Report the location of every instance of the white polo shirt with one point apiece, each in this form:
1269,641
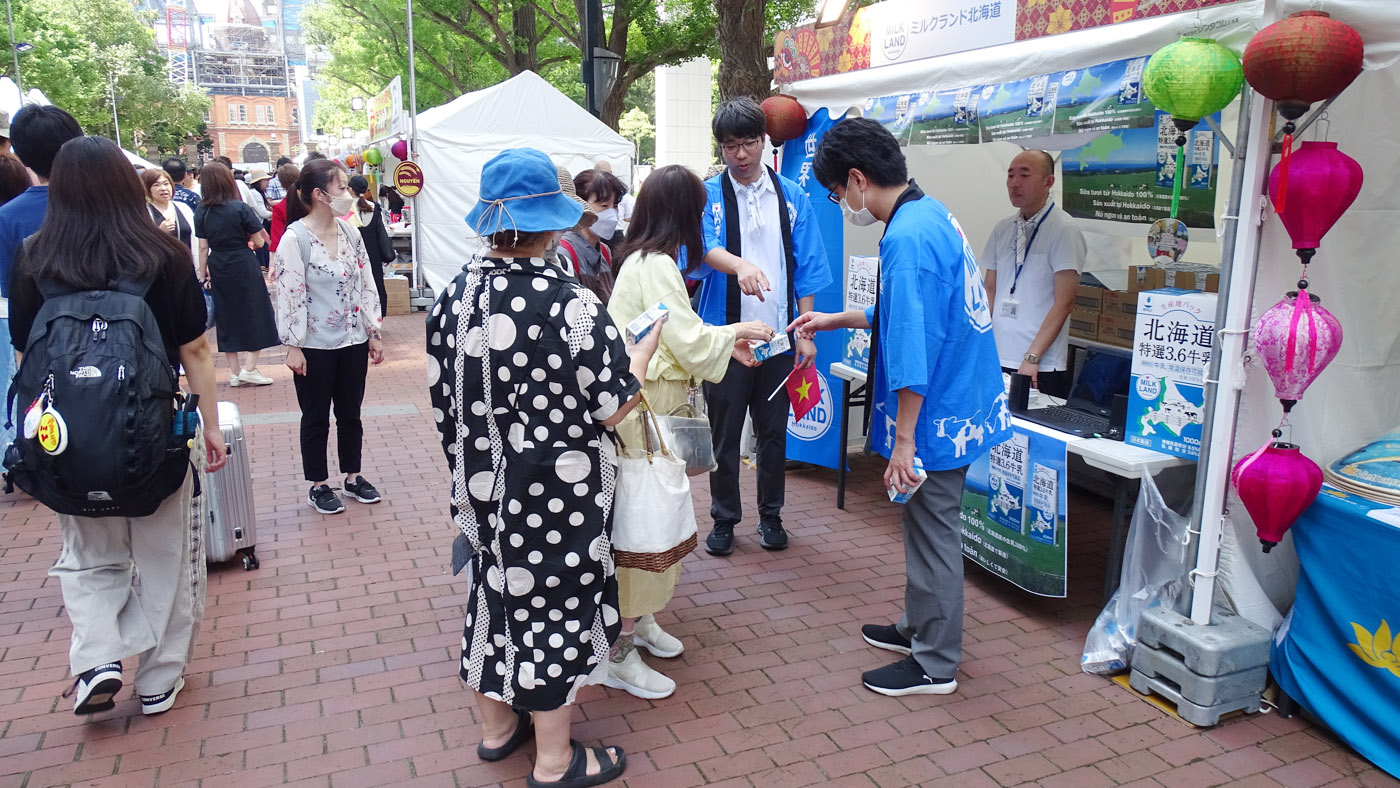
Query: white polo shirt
1057,246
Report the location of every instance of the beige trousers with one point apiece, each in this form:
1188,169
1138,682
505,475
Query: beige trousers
135,586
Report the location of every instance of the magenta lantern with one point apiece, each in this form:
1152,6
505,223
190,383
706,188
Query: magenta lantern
1276,484
399,149
1296,339
1323,182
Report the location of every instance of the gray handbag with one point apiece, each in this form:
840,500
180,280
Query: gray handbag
686,430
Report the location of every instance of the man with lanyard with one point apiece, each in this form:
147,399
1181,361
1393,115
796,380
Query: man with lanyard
1038,253
759,229
937,391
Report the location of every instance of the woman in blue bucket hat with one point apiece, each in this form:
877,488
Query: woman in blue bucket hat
527,374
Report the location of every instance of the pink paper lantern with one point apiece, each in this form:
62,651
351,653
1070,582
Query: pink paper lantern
1276,484
1322,184
399,149
1296,340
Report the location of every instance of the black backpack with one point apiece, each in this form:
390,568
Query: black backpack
96,359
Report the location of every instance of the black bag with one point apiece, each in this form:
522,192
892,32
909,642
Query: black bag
387,254
96,398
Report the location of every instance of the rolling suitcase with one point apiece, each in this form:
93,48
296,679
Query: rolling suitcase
228,497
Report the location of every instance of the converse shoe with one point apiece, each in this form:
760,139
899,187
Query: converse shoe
253,377
650,636
721,539
887,637
324,500
95,688
155,704
627,672
771,535
362,491
906,677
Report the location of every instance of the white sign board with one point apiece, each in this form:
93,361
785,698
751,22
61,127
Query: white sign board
904,30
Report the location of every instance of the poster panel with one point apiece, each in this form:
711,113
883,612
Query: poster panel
1015,515
1018,110
1106,97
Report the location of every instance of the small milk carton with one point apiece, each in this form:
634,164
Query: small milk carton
903,497
642,323
862,277
1173,344
762,351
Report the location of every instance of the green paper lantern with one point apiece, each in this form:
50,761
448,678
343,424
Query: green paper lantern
374,157
1192,78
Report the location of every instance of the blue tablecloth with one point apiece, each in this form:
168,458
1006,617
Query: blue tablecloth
1336,654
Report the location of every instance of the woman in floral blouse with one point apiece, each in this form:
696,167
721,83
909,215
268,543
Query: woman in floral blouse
328,317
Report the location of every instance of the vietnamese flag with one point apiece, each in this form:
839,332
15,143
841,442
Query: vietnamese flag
804,390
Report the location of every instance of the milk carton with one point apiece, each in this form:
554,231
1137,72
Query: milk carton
1172,348
903,497
641,324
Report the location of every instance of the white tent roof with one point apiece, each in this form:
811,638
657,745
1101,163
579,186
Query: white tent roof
136,161
457,138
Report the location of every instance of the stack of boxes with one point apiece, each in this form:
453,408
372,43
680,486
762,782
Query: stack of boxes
1206,671
1109,316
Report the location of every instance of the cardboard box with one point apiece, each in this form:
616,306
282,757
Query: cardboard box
1180,276
1089,298
1116,329
1083,324
1172,346
1120,302
396,296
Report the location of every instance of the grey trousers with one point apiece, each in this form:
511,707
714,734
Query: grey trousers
933,568
134,585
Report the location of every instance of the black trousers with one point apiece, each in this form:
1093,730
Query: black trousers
332,377
745,390
1055,384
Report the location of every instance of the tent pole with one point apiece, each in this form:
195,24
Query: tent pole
1239,263
417,271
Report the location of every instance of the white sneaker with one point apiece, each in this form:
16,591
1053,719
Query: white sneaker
156,704
235,380
650,636
627,672
254,378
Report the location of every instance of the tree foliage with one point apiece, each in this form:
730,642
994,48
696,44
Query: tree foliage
79,44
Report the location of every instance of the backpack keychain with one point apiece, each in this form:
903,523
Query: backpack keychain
31,416
53,431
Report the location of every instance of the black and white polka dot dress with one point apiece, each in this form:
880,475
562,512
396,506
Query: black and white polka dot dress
523,364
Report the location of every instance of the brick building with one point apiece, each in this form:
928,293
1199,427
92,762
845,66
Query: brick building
253,130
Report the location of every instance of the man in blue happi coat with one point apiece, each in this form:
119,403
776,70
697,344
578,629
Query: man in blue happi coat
936,383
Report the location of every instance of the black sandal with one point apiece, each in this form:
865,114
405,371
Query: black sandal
524,729
577,776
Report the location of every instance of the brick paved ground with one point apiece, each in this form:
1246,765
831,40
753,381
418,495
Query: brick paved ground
335,663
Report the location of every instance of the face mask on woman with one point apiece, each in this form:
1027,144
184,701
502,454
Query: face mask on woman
342,203
606,224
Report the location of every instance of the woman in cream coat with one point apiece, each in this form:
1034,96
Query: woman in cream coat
666,220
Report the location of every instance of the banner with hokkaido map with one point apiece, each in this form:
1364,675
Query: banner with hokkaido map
1123,173
1015,512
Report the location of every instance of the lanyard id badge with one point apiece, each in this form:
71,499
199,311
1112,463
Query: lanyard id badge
1021,261
1010,308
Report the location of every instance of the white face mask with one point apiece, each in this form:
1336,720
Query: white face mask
861,218
606,224
342,203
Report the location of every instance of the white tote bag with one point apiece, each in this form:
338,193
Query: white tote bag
653,518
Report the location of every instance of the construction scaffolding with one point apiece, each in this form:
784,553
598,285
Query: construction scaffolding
242,73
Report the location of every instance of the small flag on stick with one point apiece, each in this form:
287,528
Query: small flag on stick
804,390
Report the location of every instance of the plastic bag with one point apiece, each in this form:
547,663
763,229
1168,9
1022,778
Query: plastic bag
1156,564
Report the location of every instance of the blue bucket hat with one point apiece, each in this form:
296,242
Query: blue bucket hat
520,192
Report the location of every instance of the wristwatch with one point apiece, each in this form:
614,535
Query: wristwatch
1031,358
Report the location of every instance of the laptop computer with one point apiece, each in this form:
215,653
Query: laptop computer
1098,401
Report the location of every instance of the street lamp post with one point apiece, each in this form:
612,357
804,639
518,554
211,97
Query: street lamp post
112,93
600,66
14,49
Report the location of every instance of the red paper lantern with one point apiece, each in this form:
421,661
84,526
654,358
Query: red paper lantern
1276,484
1323,183
1305,57
786,118
352,161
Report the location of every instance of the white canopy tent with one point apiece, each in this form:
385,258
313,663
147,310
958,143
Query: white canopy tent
457,138
1356,399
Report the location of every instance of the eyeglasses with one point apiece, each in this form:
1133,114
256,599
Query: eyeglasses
749,146
831,195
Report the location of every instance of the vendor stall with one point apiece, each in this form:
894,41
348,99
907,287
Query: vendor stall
962,87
